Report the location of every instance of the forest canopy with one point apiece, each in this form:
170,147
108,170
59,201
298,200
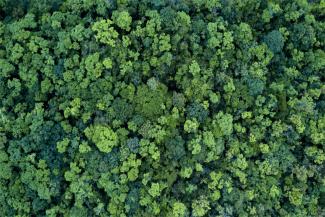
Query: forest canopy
171,108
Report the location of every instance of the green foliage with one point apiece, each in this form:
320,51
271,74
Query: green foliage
122,19
200,207
274,41
179,209
104,137
106,34
171,108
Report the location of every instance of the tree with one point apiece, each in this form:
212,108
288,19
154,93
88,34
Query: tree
102,136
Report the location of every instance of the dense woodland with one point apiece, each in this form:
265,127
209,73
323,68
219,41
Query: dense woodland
171,108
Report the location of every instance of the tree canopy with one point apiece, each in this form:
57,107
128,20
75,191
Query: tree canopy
172,108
